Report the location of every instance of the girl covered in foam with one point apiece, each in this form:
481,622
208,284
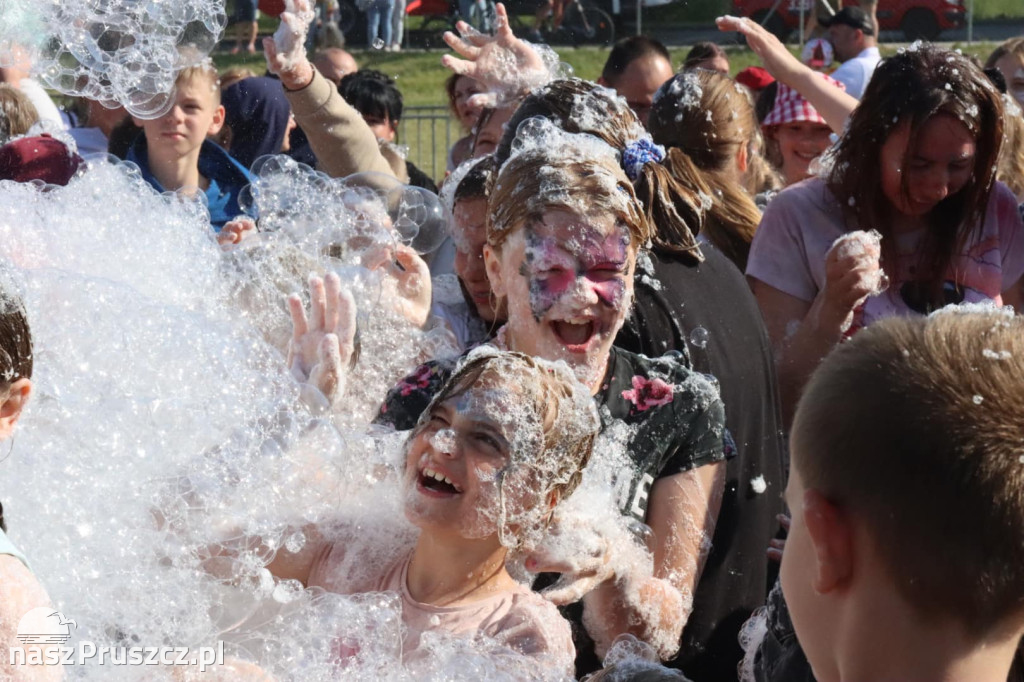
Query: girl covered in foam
498,447
563,232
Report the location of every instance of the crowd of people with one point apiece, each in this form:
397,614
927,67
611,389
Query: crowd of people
764,325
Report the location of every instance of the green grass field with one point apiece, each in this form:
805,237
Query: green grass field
420,77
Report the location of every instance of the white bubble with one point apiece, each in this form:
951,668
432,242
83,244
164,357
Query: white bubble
699,337
117,51
378,44
758,484
977,399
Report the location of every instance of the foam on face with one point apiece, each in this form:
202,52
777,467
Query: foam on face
540,427
538,137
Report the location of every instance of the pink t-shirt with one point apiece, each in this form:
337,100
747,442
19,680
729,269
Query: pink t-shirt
803,221
521,619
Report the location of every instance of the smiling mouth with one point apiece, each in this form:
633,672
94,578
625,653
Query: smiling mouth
438,483
575,334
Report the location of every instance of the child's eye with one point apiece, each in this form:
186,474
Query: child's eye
605,272
488,440
438,421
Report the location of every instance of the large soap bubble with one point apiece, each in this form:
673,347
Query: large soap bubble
368,208
126,52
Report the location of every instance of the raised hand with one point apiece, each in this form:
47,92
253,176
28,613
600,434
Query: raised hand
508,66
286,50
234,231
322,345
776,58
413,286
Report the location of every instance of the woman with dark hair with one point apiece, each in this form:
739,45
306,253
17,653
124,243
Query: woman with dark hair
917,165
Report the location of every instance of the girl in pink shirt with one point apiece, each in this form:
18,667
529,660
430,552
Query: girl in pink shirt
502,443
917,164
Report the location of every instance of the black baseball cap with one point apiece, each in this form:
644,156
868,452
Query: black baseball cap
854,17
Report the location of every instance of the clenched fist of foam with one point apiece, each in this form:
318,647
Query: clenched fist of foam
861,252
866,247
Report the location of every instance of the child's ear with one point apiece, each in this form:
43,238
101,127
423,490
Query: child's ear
12,404
217,122
493,265
831,535
742,159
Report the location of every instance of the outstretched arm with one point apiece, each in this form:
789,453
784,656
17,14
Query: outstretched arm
834,105
337,133
508,66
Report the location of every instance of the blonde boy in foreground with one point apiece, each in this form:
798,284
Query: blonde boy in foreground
905,560
174,153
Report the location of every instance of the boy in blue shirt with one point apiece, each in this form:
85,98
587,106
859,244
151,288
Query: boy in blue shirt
175,153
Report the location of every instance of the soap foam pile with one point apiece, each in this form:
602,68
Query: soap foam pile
117,51
164,428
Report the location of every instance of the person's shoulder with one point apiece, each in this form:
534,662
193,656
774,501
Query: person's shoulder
871,55
670,365
847,70
1002,198
812,194
1004,217
418,178
533,626
802,204
216,164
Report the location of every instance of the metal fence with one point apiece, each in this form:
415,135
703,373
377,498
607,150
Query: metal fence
429,132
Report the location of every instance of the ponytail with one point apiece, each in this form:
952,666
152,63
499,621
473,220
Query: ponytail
729,215
672,210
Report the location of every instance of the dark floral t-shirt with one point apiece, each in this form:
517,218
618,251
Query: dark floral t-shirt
669,416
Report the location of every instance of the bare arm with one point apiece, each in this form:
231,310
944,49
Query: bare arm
1015,296
682,514
799,341
834,105
803,332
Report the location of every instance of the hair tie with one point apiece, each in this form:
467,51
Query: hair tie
638,153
